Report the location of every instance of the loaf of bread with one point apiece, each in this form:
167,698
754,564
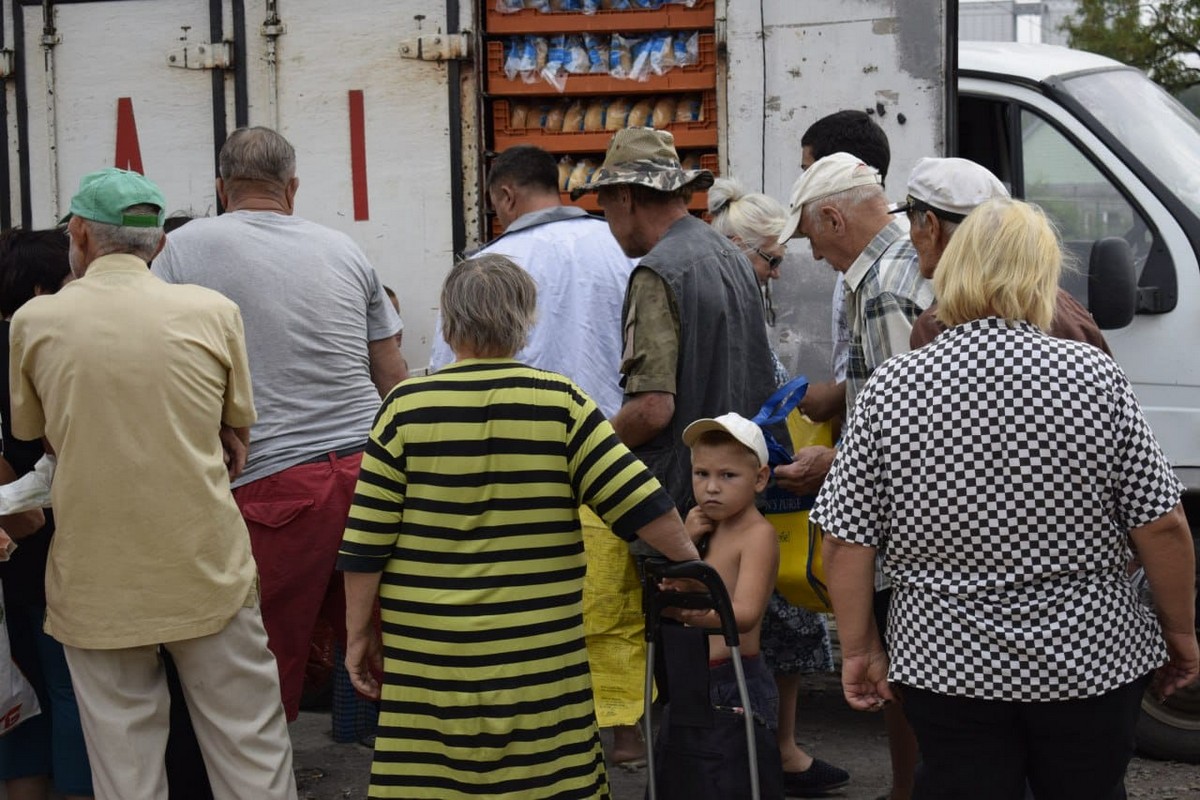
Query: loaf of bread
593,118
690,161
664,111
542,48
581,175
641,113
618,112
518,115
565,166
689,109
573,117
554,119
620,57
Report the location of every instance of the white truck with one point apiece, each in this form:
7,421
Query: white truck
395,105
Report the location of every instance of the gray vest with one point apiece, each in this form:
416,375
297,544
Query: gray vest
724,357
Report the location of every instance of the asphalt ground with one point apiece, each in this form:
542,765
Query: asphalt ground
826,727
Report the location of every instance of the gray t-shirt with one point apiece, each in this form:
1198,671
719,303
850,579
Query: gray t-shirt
310,302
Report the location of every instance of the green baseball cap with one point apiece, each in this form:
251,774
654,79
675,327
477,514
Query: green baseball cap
105,195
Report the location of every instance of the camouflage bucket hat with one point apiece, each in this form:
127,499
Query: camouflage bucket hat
645,157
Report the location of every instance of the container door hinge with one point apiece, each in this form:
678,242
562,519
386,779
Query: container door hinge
202,55
8,64
438,47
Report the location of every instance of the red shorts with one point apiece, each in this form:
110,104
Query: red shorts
296,519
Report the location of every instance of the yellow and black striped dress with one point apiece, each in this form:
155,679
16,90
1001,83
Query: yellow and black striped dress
467,502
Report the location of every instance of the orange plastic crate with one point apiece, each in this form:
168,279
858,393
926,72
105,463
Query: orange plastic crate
694,78
695,134
673,17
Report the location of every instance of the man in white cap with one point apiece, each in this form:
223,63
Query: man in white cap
838,204
941,192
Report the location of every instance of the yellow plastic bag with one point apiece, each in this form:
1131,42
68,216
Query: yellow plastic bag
801,576
613,624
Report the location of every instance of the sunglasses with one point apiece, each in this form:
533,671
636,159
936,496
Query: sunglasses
773,262
913,207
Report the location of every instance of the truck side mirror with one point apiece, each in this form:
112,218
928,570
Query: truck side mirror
1112,283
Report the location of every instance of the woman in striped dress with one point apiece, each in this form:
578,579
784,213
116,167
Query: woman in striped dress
465,525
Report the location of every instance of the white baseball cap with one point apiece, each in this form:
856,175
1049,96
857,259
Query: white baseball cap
737,426
832,174
952,186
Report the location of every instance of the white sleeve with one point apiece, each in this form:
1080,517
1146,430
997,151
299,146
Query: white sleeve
31,490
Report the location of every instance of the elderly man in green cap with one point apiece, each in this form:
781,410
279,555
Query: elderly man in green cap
130,380
695,337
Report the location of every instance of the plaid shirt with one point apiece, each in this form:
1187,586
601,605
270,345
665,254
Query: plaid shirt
885,294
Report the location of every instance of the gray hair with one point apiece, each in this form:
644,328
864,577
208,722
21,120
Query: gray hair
257,154
948,227
756,219
843,201
488,304
140,242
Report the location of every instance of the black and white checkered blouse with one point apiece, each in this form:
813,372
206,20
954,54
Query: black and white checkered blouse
1000,470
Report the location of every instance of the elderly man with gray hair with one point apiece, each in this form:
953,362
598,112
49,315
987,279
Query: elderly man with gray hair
131,381
838,204
321,336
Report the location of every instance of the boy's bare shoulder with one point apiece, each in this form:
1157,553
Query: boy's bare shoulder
749,529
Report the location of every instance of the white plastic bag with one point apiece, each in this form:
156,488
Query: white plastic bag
18,701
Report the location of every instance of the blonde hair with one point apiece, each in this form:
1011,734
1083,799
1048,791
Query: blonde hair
756,219
1004,260
488,304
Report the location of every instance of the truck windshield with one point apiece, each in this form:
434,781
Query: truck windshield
1155,127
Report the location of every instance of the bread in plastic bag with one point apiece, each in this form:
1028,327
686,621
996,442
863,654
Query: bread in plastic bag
593,117
597,52
690,109
617,113
518,115
687,49
640,114
582,174
573,116
662,53
565,166
664,111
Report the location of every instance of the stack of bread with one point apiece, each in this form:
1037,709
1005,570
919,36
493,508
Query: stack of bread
606,113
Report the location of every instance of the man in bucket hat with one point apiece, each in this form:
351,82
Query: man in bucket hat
695,338
133,381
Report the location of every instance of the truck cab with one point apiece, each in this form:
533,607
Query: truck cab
1115,162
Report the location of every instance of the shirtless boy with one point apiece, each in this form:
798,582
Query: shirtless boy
729,468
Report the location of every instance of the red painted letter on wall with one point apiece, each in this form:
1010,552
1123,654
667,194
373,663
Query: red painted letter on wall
129,153
358,155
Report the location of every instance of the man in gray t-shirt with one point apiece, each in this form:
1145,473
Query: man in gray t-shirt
320,334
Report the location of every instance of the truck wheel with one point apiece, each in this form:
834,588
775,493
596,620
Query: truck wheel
1171,730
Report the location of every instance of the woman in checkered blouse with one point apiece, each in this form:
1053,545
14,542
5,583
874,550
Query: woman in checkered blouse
1008,477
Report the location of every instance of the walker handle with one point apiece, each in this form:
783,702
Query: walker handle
716,598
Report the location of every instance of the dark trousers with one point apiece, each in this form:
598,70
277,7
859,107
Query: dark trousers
989,749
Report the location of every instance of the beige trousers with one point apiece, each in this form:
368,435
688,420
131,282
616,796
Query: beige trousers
231,685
